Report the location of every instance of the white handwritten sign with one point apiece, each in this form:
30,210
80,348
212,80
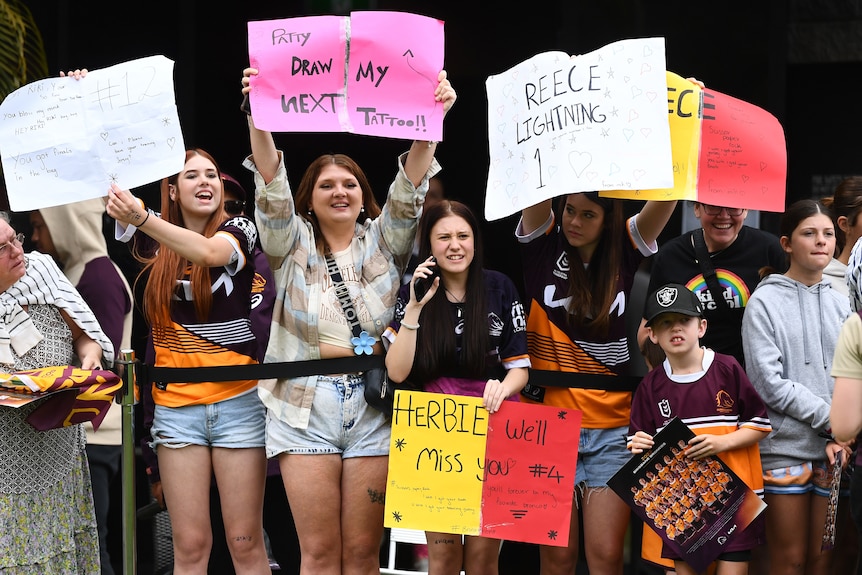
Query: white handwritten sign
559,124
64,140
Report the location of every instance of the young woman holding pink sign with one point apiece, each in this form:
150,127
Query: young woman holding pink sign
337,258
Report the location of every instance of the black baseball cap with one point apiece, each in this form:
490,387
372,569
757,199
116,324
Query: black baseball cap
672,298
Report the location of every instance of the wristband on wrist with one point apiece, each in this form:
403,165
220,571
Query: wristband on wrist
145,219
411,326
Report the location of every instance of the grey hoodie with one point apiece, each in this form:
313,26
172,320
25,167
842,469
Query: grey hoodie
789,332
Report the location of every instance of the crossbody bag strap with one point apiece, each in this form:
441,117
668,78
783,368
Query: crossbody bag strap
707,269
343,295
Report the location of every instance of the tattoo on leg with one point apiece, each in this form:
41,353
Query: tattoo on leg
377,496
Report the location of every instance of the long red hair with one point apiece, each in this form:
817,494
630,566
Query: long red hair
164,266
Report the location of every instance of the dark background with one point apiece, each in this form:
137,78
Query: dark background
790,58
798,59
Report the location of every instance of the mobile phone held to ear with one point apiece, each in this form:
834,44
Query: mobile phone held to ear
423,284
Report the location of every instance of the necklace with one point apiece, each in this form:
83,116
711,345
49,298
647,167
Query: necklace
458,303
456,299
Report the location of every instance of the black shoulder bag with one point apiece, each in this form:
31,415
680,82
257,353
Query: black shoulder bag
708,270
378,393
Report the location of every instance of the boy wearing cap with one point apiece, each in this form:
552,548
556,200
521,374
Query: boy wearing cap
711,394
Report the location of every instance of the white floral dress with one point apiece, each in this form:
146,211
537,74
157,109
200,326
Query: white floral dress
47,522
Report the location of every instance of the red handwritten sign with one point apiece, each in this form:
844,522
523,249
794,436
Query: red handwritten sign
743,155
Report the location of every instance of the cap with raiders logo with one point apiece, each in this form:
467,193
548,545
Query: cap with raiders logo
672,298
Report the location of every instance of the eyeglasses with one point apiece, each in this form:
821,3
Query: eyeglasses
17,242
716,210
234,207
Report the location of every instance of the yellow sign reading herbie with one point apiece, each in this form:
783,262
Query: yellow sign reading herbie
435,462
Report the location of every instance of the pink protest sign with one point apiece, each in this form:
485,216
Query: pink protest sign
301,64
743,155
303,84
393,75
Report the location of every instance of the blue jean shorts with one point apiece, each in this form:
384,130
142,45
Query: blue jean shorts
238,422
601,453
341,422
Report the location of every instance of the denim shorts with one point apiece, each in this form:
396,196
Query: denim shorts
341,422
601,453
803,478
238,422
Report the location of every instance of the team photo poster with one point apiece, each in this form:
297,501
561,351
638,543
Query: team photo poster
697,507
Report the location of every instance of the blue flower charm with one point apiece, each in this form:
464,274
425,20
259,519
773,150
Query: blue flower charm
363,343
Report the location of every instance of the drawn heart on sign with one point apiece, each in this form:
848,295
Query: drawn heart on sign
104,135
579,161
171,142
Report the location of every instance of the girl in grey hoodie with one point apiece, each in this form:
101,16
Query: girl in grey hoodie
789,331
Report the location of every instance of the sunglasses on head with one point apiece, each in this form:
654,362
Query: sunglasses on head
234,207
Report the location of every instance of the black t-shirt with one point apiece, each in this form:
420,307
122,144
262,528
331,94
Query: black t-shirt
737,269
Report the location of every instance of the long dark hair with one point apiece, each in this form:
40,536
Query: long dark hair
435,345
303,194
593,289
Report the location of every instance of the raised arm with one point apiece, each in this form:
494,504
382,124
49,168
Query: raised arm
402,351
263,148
653,218
421,153
535,216
203,251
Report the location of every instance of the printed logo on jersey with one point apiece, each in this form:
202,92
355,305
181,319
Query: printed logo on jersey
519,317
258,284
495,325
664,408
733,289
184,286
723,402
562,269
246,226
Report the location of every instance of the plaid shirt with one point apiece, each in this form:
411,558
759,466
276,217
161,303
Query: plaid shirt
381,249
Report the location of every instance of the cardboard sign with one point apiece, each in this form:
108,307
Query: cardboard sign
372,73
559,124
726,152
65,140
455,468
